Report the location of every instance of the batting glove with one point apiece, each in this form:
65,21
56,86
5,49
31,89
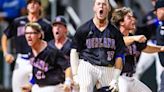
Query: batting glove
113,86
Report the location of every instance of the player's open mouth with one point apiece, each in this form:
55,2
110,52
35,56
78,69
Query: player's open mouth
57,33
29,39
101,12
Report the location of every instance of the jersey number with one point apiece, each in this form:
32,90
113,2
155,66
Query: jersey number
40,75
110,55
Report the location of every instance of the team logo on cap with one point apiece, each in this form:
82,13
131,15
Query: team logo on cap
58,19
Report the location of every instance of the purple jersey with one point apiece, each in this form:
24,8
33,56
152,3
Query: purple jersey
17,30
96,47
49,66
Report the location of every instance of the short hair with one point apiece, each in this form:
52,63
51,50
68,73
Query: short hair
36,27
119,14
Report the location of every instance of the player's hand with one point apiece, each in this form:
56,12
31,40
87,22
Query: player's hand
140,38
9,58
113,86
162,49
67,88
27,88
68,85
75,83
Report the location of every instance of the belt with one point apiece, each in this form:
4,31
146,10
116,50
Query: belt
107,65
43,85
128,74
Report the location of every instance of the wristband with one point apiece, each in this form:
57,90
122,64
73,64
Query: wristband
68,81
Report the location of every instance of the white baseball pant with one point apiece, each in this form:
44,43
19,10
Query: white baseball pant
145,61
55,88
131,84
89,75
21,74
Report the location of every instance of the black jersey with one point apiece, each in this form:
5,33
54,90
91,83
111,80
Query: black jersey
96,47
49,66
65,49
17,30
160,40
132,53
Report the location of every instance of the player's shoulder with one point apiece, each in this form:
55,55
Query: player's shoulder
85,27
68,43
22,18
46,21
114,30
112,26
51,43
52,50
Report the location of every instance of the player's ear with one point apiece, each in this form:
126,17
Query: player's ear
94,9
41,35
121,23
110,8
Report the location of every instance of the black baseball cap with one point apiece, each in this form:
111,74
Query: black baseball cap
38,1
159,4
59,20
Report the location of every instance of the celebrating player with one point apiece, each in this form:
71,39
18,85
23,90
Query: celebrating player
48,63
16,30
98,51
61,41
123,18
159,9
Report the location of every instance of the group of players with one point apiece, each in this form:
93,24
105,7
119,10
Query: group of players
102,54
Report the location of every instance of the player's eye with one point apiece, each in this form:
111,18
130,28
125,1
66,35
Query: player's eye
31,33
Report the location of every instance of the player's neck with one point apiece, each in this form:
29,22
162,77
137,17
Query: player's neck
100,24
33,17
39,47
60,42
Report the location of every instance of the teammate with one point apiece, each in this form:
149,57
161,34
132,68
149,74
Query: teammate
48,63
147,59
98,51
61,41
123,18
16,30
159,8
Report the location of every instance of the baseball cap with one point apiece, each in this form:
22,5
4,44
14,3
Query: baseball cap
59,20
159,4
38,1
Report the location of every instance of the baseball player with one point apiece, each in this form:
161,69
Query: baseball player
16,30
61,41
147,59
123,18
98,51
48,63
159,9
